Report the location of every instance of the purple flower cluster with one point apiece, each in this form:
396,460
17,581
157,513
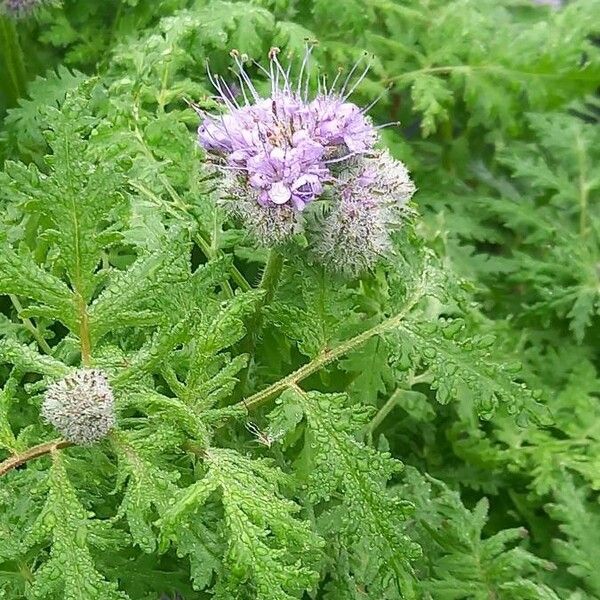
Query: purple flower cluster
281,153
19,8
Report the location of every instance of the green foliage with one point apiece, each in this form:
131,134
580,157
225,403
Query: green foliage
463,562
577,548
69,570
428,431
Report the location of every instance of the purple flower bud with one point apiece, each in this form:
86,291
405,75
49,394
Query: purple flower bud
80,406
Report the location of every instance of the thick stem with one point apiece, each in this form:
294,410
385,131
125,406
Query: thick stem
11,61
271,275
19,459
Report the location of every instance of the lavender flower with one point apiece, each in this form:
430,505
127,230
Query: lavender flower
277,155
281,146
80,406
19,8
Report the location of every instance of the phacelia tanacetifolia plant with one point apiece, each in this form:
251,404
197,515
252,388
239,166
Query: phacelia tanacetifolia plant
281,153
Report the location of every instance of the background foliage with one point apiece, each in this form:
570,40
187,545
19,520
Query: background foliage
430,431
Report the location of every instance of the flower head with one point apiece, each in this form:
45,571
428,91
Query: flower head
278,154
281,146
80,406
19,8
355,234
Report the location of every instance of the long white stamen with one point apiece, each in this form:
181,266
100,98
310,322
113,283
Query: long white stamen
366,109
287,75
302,67
337,77
389,124
341,158
243,88
261,68
352,71
306,83
358,82
245,77
280,70
230,94
227,99
273,77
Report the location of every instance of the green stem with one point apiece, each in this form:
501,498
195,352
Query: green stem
11,61
268,283
383,412
28,323
84,332
328,356
271,275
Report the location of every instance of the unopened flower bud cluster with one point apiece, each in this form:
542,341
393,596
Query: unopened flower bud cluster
80,406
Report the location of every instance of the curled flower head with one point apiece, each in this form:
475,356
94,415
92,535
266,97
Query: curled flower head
373,196
281,147
80,406
278,154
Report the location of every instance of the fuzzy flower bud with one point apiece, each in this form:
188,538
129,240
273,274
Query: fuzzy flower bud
80,406
372,200
272,224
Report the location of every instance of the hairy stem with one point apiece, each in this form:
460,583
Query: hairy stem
328,356
84,332
19,459
11,62
268,283
271,275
